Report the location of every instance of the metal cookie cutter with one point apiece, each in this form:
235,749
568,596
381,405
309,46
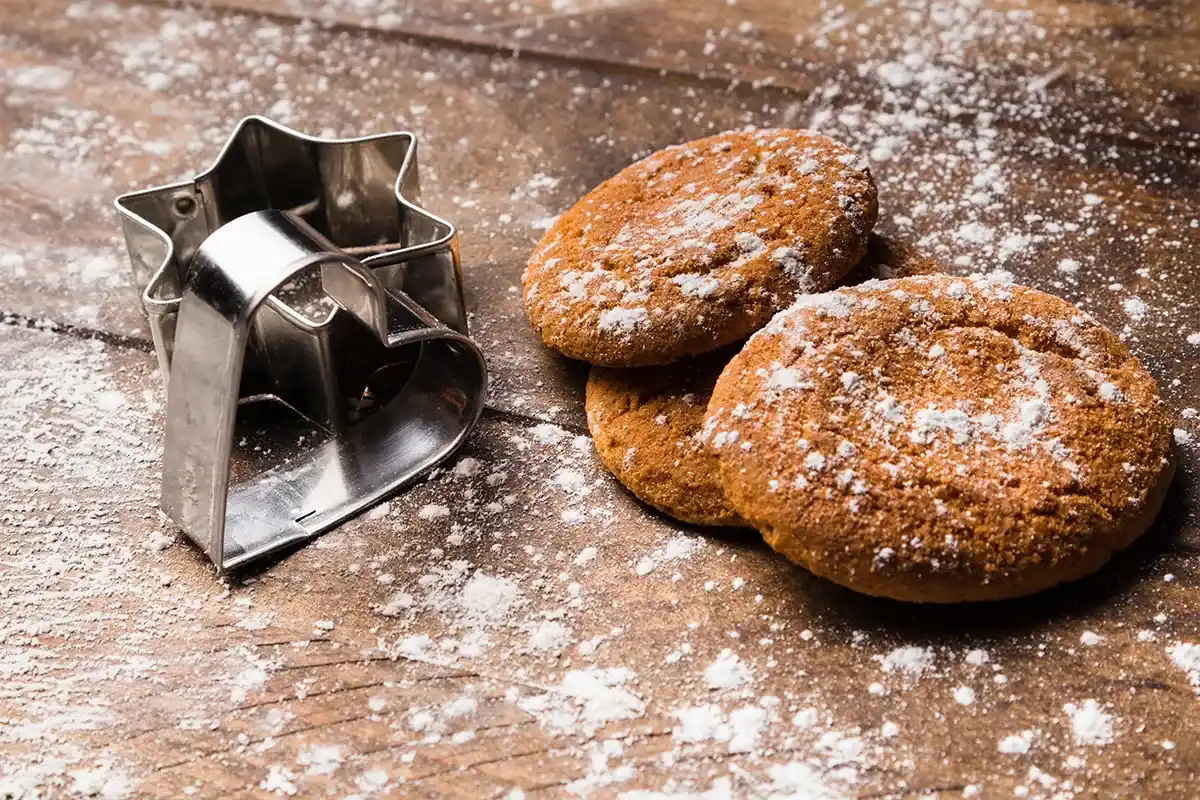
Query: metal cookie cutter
210,256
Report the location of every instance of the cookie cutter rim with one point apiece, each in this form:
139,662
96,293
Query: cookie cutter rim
153,249
184,288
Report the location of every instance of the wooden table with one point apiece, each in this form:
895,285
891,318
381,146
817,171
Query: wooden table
521,624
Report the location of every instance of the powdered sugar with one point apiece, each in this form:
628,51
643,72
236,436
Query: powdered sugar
487,598
550,636
432,512
791,261
741,729
727,672
912,661
695,285
1018,743
677,548
623,320
1090,724
929,420
1186,656
586,700
1135,307
951,87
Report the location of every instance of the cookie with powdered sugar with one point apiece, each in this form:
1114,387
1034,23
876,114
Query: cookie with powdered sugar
698,245
941,439
645,421
646,424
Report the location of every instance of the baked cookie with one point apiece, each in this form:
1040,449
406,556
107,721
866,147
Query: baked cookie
645,423
698,245
941,439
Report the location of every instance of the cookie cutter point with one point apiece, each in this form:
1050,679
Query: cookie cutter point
210,258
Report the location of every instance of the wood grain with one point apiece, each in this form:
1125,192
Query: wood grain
129,668
1117,68
139,660
506,145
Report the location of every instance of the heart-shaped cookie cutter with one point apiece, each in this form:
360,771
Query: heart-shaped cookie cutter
210,256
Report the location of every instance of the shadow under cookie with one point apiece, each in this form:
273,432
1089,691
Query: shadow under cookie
889,257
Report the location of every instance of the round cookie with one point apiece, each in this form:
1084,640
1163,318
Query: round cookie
941,439
645,424
698,245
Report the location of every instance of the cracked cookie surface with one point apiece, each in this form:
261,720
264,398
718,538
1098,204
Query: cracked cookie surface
941,439
698,245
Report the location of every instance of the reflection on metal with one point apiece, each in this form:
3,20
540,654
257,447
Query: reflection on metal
212,258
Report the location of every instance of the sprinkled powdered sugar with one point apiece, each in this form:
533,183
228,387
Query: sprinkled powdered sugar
650,249
677,548
741,728
320,759
727,672
748,244
1186,656
693,285
486,598
849,377
699,723
586,700
1136,308
1090,725
432,512
623,320
923,102
913,661
977,657
1018,743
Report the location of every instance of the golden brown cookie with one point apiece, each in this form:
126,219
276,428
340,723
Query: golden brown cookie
645,424
941,439
698,246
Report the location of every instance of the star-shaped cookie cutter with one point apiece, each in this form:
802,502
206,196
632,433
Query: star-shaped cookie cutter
211,257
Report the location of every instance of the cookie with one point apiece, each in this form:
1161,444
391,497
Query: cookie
645,424
698,245
941,439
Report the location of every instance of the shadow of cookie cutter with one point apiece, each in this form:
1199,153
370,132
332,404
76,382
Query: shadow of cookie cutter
210,256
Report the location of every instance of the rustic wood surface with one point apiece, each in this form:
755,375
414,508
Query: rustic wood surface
519,624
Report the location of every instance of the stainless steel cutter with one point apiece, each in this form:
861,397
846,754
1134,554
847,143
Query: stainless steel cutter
212,258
